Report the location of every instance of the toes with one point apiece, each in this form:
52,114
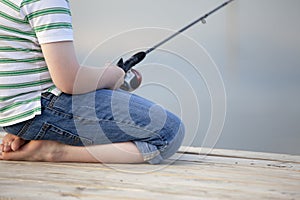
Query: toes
17,143
6,147
8,137
11,143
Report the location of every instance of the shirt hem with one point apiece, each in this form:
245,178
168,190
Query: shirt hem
58,38
20,120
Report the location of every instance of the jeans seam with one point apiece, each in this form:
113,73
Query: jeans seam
52,108
107,120
25,128
42,131
64,114
117,122
130,125
52,102
65,133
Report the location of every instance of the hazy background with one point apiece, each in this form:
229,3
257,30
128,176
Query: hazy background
254,44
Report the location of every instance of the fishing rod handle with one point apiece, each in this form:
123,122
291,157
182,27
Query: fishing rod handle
131,62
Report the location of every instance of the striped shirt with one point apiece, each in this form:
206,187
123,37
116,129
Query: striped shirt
24,76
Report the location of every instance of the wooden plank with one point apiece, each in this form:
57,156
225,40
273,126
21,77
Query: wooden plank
84,181
240,154
222,174
241,161
183,179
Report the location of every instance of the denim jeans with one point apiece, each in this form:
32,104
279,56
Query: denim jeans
104,117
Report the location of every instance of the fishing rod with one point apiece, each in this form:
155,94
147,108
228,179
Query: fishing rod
133,78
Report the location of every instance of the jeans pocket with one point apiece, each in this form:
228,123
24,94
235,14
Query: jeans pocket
18,129
52,132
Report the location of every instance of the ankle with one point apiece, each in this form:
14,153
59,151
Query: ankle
56,154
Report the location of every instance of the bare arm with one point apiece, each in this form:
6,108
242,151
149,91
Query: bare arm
72,78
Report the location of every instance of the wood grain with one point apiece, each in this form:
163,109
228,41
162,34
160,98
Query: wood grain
220,174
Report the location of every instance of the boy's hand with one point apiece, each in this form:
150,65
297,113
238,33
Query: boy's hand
11,142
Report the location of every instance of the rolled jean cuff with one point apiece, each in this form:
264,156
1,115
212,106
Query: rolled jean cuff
149,152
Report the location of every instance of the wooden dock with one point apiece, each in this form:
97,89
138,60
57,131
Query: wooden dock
222,174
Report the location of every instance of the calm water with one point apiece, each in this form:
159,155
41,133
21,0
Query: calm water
255,45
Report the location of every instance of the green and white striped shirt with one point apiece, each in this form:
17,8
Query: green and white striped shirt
24,25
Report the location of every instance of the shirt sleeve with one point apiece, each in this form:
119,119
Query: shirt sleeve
50,19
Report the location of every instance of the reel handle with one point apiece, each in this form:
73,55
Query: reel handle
133,78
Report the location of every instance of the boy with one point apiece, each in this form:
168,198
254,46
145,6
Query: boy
53,109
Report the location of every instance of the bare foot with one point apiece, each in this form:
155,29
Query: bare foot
11,142
51,151
36,150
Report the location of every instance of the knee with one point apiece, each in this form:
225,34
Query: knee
178,133
181,132
179,136
177,130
